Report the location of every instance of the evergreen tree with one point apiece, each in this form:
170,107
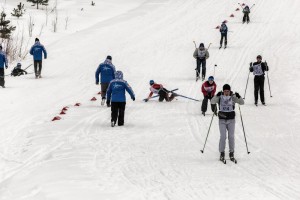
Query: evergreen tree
19,11
5,28
39,2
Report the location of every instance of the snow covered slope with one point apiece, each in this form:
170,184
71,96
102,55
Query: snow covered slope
156,155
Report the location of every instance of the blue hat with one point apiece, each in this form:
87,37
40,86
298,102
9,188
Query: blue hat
151,82
211,78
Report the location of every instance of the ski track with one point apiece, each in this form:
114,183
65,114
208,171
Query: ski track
156,155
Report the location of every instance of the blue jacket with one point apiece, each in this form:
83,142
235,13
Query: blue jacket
224,29
37,51
3,60
116,89
107,71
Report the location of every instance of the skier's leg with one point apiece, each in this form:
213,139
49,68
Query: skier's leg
203,68
162,95
198,67
104,87
256,88
261,88
2,81
114,112
204,104
35,63
121,106
225,40
214,108
221,41
222,142
231,128
244,18
40,64
248,19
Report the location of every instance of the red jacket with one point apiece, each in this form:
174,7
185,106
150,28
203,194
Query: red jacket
209,88
155,88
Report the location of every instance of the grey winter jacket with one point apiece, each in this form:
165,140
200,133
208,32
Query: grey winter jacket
195,55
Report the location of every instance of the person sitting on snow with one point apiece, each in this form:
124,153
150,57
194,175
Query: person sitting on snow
17,71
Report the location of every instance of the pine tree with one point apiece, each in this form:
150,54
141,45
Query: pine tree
19,11
39,2
5,28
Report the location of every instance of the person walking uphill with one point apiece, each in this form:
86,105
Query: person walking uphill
223,31
3,62
159,89
208,89
201,54
116,94
246,12
37,51
258,68
226,101
107,71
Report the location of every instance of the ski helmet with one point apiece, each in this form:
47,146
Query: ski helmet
259,57
19,65
211,78
151,82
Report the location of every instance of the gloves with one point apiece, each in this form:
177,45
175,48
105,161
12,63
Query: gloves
237,95
97,83
6,67
251,64
133,98
146,100
219,94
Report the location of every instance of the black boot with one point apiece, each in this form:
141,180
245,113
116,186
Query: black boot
222,156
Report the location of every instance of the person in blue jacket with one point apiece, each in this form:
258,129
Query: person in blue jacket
3,62
107,71
37,51
116,94
223,31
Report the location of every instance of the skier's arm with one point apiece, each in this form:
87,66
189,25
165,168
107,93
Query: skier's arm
130,91
265,66
98,71
108,93
206,54
45,52
214,90
203,90
31,51
215,100
195,55
238,100
5,61
251,67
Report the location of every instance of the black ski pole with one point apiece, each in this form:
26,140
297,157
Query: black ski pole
247,82
202,151
244,130
195,45
241,6
268,79
28,67
252,6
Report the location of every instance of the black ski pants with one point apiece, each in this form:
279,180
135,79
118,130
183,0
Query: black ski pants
246,17
201,63
223,36
204,105
118,112
259,82
37,67
2,81
104,87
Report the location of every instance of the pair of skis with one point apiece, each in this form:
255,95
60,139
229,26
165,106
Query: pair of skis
176,95
231,159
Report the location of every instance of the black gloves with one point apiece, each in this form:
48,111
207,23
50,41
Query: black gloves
219,94
133,98
146,100
237,95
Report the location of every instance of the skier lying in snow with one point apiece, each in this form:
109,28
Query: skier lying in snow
17,71
161,91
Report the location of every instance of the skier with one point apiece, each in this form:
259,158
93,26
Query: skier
107,71
226,101
161,91
223,31
17,71
116,94
3,62
201,54
37,51
208,89
246,12
258,68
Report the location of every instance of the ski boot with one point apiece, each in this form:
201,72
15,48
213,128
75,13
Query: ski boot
231,156
203,77
103,101
255,103
113,124
220,47
263,103
222,157
203,113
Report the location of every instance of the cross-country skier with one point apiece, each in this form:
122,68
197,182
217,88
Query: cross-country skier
246,12
3,62
208,89
201,54
107,71
258,68
163,93
17,71
37,51
226,101
223,31
116,94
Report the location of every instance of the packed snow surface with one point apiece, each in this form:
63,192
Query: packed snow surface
156,155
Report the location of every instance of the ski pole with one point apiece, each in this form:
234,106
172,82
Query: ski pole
215,68
268,81
241,6
195,45
28,67
202,151
251,6
247,82
244,130
208,46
